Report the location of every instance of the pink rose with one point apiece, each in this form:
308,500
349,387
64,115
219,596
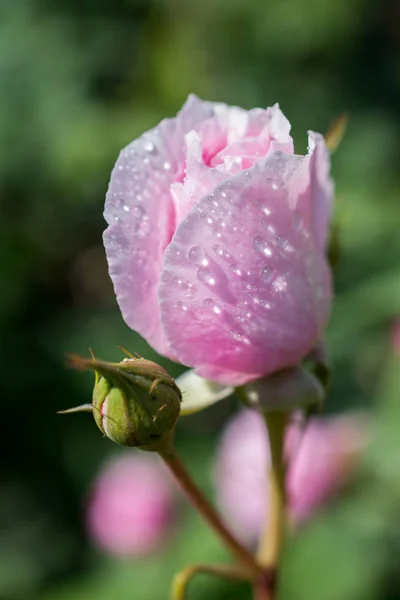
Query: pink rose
320,462
216,240
130,505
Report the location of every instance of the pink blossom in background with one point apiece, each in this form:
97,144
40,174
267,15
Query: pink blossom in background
216,240
320,461
130,505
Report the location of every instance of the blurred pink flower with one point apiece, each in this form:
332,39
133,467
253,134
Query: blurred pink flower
216,240
130,505
320,461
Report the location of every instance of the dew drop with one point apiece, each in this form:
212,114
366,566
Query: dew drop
205,276
239,337
219,251
261,246
149,146
126,208
236,270
282,242
138,212
181,306
267,225
167,166
221,223
266,273
209,303
246,314
196,254
261,204
280,284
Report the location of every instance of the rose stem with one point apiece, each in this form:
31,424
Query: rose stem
184,577
272,535
200,502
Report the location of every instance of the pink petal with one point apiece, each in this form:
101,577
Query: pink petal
227,143
130,505
244,291
241,469
320,460
199,181
322,187
323,460
140,214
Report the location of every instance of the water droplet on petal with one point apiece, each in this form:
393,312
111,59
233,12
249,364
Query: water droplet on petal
271,229
261,246
261,204
149,146
167,166
181,306
236,270
138,212
282,242
280,284
222,253
209,303
239,337
196,254
266,273
205,276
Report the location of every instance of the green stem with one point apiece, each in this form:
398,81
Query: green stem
273,533
183,578
201,503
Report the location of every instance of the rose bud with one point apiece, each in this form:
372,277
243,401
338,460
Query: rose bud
216,240
135,402
130,505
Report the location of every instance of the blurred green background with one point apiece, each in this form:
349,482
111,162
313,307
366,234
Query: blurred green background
79,79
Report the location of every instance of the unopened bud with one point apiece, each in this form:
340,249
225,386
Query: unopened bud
135,402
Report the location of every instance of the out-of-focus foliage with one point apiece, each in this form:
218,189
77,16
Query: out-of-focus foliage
78,81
